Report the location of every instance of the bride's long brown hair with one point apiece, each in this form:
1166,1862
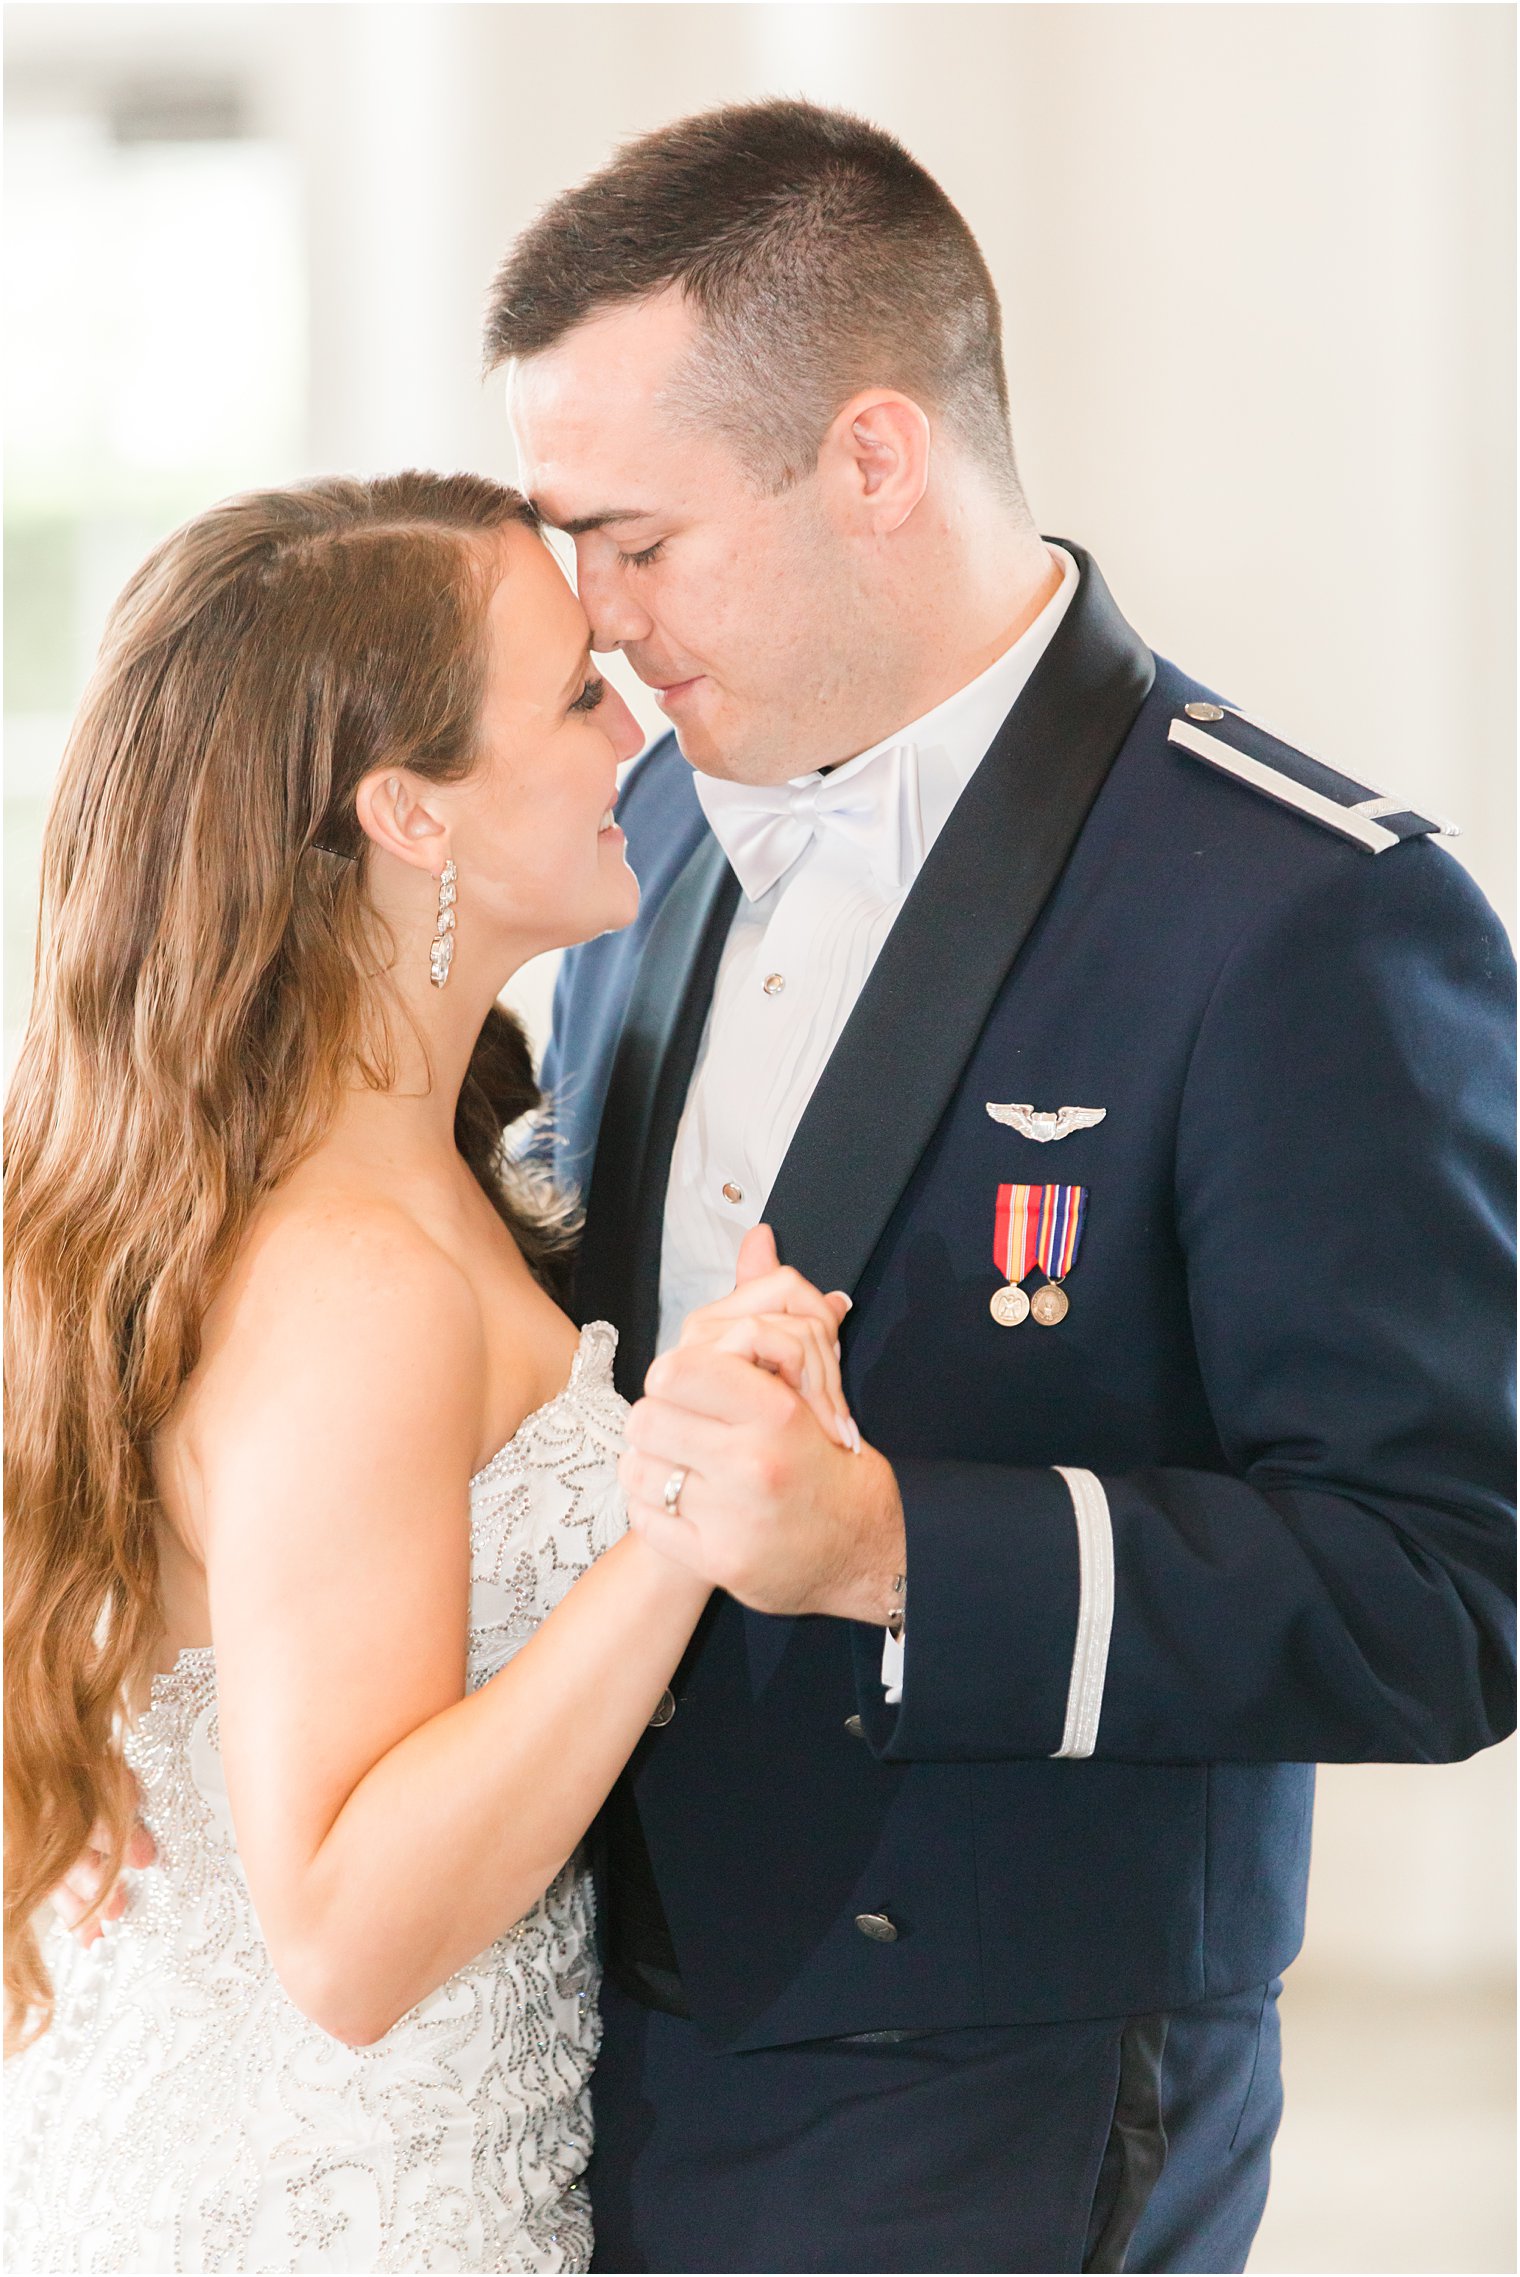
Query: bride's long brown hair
207,979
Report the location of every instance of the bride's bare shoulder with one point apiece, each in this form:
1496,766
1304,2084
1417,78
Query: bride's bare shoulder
319,1240
337,1293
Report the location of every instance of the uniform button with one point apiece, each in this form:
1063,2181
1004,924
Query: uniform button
854,1727
774,983
877,1927
665,1708
1203,711
733,1193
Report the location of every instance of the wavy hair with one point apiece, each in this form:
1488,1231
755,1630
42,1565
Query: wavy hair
207,979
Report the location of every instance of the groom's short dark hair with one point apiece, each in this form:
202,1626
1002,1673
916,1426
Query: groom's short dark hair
821,258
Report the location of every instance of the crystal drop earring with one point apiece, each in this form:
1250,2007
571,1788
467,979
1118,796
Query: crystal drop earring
441,954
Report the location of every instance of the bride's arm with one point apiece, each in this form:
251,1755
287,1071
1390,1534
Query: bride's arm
390,1826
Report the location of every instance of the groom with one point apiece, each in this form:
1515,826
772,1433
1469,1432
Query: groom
1143,1080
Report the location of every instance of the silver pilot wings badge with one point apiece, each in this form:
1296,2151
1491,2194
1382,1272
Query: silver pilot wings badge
1046,1123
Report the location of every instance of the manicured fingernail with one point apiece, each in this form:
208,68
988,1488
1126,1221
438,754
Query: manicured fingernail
838,1349
854,1436
847,1300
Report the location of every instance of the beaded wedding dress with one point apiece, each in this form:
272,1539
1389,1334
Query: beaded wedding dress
182,2114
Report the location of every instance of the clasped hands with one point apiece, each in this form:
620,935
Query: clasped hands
781,1504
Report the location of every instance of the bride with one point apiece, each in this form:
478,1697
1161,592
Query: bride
315,1542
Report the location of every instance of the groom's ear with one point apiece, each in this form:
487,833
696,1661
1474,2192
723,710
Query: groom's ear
876,457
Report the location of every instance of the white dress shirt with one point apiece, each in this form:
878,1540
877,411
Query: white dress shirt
825,863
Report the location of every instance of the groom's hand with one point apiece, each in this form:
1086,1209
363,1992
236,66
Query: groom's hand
771,1508
83,1901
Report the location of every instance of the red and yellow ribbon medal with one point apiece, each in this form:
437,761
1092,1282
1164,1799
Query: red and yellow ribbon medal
1036,1226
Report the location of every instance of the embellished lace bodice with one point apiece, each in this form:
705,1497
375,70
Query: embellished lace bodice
182,2114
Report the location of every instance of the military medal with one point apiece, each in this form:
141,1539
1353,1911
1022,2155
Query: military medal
1013,1251
1036,1226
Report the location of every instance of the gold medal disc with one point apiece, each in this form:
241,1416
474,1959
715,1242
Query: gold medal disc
1010,1306
1050,1304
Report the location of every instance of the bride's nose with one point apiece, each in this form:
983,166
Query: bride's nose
623,730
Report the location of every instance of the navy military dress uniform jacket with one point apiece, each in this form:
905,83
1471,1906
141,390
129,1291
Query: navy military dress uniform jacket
1247,1506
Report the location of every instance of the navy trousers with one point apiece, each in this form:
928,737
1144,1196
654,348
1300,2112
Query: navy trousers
1130,2143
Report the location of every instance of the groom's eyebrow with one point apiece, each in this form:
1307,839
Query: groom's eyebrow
581,523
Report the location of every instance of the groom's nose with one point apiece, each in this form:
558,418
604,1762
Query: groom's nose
617,616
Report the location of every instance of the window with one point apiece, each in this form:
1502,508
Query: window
155,312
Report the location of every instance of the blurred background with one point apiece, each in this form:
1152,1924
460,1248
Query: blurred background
1257,267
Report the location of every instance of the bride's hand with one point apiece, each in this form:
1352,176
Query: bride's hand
780,1322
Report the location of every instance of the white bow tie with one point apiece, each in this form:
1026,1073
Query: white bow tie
764,827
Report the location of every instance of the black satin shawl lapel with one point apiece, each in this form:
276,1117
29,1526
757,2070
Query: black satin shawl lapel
983,884
618,1271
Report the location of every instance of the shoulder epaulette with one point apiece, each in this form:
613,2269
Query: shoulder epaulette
1225,738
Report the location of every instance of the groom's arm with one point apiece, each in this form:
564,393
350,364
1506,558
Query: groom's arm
1343,1194
658,811
1345,1590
